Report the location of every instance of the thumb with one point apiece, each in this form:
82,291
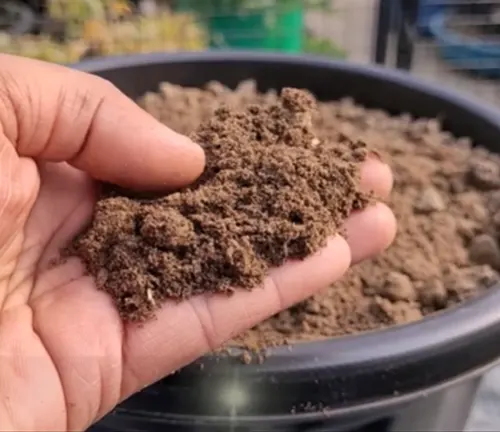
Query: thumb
57,114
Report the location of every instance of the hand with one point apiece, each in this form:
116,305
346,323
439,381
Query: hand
66,357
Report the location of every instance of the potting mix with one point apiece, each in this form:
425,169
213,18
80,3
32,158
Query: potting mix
265,196
282,174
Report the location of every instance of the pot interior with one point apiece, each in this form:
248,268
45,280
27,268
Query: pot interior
344,373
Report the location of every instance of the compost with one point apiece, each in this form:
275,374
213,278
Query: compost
446,198
271,191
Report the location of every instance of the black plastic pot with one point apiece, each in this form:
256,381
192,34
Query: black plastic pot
421,376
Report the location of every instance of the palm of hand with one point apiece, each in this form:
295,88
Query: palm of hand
70,359
65,335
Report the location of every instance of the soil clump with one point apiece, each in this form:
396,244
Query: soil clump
271,191
446,199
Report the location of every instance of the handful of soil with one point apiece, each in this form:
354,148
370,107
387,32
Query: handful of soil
271,191
446,198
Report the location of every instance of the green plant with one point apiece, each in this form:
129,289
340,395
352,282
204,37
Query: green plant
322,46
76,10
74,13
163,32
100,37
208,7
81,10
42,48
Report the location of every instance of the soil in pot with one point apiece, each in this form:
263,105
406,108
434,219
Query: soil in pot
446,198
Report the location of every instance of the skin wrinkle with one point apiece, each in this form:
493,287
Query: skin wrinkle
83,104
97,404
11,202
104,401
21,288
54,287
35,117
81,108
51,129
92,407
35,331
8,282
45,142
204,318
11,113
7,413
130,375
127,371
5,187
39,271
88,133
18,352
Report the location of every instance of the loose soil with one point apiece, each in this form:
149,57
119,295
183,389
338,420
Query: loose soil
446,198
271,191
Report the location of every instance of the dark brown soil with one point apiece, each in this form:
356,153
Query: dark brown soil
271,191
446,198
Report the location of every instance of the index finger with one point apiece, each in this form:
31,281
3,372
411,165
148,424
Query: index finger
57,114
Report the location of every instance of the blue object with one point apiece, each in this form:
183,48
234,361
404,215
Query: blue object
427,8
465,52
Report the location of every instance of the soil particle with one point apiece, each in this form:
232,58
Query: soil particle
496,221
463,284
432,294
429,201
484,250
446,198
397,286
494,201
485,174
271,191
396,312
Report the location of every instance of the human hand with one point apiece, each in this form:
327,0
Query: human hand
66,357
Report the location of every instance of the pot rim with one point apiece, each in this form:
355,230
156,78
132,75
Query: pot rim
441,347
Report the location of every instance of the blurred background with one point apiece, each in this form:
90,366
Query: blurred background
456,42
452,42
